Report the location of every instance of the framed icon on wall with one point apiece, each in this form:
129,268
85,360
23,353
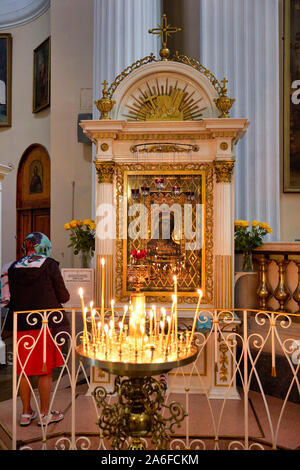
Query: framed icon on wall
41,76
5,79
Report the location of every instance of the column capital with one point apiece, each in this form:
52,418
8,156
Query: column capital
224,170
105,171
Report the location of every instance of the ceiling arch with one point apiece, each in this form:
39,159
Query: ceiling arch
18,12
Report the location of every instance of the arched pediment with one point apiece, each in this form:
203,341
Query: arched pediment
165,91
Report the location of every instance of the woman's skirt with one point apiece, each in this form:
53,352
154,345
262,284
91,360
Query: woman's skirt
36,356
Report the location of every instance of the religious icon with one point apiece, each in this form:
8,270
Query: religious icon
5,79
41,77
36,175
292,97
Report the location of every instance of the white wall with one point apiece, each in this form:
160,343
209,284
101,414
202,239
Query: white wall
72,83
27,128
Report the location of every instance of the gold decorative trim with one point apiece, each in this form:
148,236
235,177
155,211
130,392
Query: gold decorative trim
223,281
121,169
224,146
105,171
224,376
219,86
164,102
139,63
104,147
205,136
105,104
164,148
224,170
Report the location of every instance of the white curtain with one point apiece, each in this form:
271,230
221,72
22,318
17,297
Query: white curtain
120,38
240,41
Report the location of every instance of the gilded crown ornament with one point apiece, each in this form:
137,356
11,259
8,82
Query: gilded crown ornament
224,103
105,104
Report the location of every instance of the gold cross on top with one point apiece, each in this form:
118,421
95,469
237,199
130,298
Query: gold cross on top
164,30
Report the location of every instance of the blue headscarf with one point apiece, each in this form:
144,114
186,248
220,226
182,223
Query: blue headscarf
42,247
40,243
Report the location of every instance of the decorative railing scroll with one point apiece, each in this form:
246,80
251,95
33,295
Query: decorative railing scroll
253,351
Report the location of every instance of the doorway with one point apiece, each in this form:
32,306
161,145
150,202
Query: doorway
33,194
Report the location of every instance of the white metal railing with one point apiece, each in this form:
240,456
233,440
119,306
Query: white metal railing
241,343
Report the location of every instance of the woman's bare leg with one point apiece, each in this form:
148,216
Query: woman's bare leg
25,393
44,387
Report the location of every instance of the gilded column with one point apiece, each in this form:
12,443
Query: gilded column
223,234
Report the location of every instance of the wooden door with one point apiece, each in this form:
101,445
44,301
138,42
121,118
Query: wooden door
33,194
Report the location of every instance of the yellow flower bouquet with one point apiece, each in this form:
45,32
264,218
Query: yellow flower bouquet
82,237
247,237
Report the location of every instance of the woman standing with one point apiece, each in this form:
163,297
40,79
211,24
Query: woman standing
36,283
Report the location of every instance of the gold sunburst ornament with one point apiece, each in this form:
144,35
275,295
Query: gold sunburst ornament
165,101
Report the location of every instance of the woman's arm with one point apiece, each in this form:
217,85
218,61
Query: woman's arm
58,283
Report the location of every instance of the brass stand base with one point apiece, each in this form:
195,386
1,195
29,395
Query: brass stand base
137,413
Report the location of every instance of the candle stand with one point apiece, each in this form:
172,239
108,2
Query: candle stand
136,351
137,411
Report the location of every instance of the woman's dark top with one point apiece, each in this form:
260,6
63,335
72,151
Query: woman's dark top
35,289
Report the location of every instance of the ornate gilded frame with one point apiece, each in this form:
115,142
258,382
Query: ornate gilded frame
288,91
121,266
6,78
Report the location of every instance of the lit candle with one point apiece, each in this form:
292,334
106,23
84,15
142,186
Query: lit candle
102,289
196,316
84,325
93,326
154,316
175,311
142,333
80,291
125,312
99,327
169,320
151,321
106,337
121,335
113,314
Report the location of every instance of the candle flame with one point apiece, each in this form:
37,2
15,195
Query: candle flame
102,261
112,303
80,291
200,292
121,325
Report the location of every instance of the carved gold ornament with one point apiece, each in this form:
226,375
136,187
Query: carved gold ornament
105,171
224,170
224,146
163,101
104,147
164,30
224,103
105,104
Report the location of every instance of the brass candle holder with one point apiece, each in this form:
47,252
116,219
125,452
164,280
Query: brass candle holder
141,345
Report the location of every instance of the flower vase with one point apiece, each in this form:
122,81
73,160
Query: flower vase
247,262
85,259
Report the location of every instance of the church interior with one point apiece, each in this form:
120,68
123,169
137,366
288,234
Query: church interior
156,144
